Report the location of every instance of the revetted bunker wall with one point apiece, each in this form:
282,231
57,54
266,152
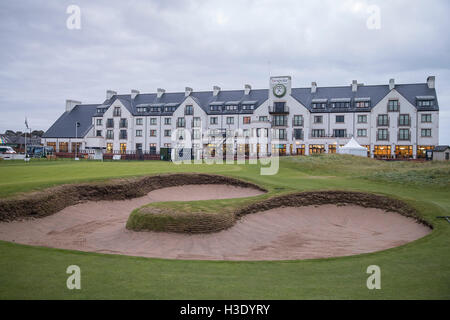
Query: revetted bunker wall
52,200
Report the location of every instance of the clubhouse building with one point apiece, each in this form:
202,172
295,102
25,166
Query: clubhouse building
390,120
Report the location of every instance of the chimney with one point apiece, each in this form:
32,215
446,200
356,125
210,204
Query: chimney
247,89
391,84
110,93
134,93
313,87
70,104
216,90
354,85
160,92
431,82
187,91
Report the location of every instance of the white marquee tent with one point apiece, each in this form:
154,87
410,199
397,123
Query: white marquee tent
353,148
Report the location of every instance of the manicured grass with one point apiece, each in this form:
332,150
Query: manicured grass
418,270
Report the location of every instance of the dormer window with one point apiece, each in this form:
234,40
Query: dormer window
231,107
363,104
425,103
318,105
154,109
248,107
141,109
214,108
340,105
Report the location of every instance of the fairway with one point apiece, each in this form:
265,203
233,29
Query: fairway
417,270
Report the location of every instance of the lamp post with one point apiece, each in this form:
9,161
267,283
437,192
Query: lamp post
77,124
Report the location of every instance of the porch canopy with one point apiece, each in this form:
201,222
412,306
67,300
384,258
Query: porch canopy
353,148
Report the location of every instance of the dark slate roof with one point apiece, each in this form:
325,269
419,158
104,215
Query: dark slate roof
64,127
440,148
375,92
12,139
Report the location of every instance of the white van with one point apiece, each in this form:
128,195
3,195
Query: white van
6,152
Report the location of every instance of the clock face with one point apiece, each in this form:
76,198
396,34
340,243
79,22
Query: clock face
279,90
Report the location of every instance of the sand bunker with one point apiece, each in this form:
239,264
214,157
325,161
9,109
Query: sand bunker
276,234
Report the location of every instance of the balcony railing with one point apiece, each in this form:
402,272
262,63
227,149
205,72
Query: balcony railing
181,124
298,137
382,137
404,123
344,136
383,123
279,123
278,110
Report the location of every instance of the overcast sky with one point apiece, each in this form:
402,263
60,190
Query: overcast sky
145,45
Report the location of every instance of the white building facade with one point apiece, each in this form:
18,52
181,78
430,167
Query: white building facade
391,120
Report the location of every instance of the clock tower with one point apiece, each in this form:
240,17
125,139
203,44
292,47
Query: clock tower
280,88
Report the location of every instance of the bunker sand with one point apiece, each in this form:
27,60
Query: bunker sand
278,234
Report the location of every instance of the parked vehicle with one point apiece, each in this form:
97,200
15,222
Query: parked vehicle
39,151
6,150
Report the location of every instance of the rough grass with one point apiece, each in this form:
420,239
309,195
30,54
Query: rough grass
418,270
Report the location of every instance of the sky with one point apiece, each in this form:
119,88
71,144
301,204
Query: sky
46,57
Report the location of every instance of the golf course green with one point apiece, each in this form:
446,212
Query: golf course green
417,270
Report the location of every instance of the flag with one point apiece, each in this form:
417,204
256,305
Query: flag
26,123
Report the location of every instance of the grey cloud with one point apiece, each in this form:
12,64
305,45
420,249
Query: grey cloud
173,44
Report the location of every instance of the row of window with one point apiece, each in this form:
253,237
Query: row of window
278,120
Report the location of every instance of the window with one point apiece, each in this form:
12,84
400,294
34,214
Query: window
382,134
280,106
139,121
318,119
383,120
263,119
248,107
404,120
280,134
317,133
298,134
63,147
403,134
123,148
279,121
298,120
196,134
123,123
123,134
262,132
181,123
109,134
99,122
153,121
170,108
319,105
167,121
393,105
339,119
152,133
340,133
231,107
363,104
362,118
425,132
109,148
110,123
139,147
230,120
167,133
154,109
246,120
138,133
98,133
426,118
117,112
425,103
101,110
214,108
141,109
189,110
196,122
213,120
152,148
340,104
362,132
246,133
